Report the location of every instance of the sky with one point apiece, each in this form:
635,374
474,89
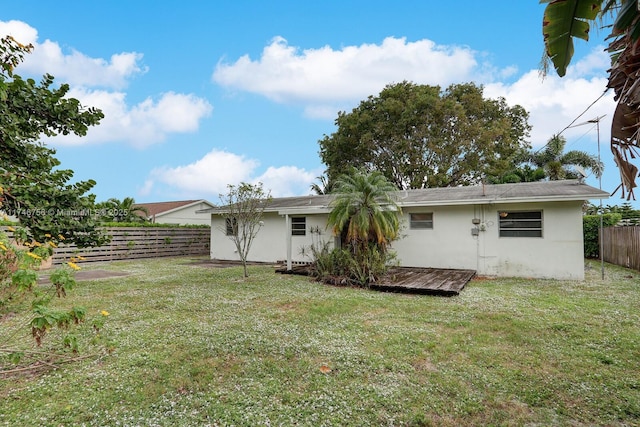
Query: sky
201,94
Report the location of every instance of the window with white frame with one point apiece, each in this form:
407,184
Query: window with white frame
298,226
421,221
520,223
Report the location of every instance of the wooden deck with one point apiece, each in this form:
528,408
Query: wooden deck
434,281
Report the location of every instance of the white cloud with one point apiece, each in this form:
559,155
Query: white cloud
286,181
20,31
141,125
210,175
554,102
99,83
146,188
74,68
325,79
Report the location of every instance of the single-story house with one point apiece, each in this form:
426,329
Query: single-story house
181,212
510,230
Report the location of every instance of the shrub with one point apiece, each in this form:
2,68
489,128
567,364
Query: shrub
330,265
590,226
340,266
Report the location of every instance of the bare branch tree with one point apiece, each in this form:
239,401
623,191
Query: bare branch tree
245,205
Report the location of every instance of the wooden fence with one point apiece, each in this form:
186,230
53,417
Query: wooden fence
140,242
621,246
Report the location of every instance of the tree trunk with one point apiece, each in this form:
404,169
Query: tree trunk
244,266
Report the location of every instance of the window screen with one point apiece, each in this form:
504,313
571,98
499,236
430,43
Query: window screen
232,226
422,221
298,226
520,224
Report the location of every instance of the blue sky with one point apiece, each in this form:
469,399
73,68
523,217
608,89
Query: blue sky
201,94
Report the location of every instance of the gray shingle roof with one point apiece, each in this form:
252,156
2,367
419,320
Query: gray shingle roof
541,191
503,193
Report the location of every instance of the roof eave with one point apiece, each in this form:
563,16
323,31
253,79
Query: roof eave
493,201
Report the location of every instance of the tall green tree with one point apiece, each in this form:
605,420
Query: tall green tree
565,20
32,187
39,194
420,136
557,164
364,210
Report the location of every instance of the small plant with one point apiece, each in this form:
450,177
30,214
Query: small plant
20,295
340,266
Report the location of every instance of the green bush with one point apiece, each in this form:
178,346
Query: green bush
340,266
330,265
590,226
151,225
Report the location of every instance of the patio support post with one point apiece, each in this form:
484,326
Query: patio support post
287,233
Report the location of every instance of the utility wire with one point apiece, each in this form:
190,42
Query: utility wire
566,127
575,120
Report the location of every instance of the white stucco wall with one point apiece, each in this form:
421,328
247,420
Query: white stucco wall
186,216
558,254
270,244
450,244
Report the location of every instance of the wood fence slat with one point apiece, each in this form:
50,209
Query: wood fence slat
139,242
621,246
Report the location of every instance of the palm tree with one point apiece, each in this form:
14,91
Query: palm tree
123,211
564,20
364,210
557,164
324,187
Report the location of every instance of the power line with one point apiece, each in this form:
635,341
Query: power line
576,119
585,111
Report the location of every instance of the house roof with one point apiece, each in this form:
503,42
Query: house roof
541,191
162,208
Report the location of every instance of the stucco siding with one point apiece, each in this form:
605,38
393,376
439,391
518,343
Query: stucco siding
450,243
270,244
185,216
559,253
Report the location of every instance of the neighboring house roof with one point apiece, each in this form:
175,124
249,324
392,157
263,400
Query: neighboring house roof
162,208
541,191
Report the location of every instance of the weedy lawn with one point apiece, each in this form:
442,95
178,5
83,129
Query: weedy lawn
194,346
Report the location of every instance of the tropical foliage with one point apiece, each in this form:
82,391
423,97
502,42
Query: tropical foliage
628,215
50,210
365,215
32,187
551,162
125,210
558,164
565,20
323,186
591,230
364,210
421,136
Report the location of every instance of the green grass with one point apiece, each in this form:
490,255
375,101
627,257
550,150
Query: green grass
192,346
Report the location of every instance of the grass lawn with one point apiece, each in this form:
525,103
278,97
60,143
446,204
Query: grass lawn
194,346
